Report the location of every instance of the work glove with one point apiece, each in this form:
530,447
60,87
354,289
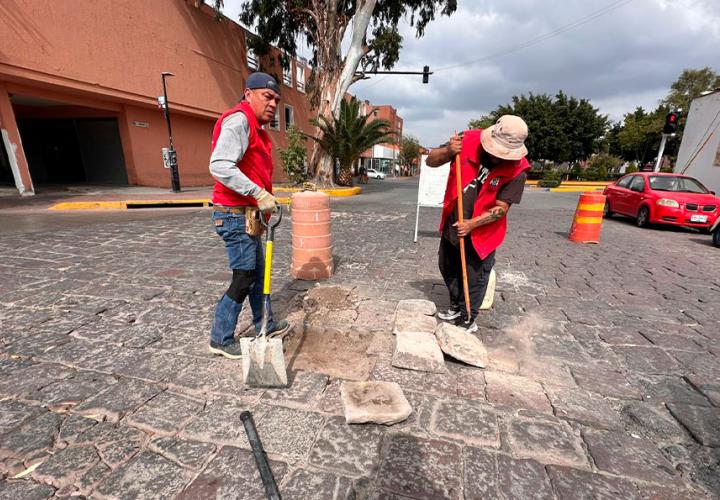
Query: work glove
266,202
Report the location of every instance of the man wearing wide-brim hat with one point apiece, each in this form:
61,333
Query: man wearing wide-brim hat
493,172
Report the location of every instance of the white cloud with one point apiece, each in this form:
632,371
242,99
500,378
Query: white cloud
626,58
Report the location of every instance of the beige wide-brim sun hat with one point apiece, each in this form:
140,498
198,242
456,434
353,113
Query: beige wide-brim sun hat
506,139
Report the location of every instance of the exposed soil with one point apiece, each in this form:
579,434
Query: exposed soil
339,355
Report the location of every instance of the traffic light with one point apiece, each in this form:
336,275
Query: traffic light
426,74
671,123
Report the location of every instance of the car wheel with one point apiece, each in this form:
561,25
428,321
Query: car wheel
716,237
643,217
607,213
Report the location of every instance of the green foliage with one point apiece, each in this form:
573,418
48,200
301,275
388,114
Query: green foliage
549,183
483,122
551,174
691,84
551,178
641,133
284,23
347,136
600,166
409,151
294,157
561,128
632,168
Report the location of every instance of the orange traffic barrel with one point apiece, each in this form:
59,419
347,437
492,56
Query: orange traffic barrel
312,257
588,218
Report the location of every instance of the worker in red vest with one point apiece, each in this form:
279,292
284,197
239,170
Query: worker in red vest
493,173
241,163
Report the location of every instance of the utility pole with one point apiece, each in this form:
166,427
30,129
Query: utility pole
669,129
660,153
171,158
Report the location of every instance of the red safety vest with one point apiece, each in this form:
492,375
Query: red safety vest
487,238
256,163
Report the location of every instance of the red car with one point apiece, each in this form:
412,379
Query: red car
655,198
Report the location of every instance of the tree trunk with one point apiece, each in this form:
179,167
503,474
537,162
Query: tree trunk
337,75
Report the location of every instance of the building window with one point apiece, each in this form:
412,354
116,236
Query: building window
252,59
289,116
275,122
300,75
287,75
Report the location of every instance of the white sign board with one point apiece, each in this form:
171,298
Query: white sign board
431,190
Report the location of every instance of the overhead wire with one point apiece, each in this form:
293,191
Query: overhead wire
534,41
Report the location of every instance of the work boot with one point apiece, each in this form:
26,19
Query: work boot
469,326
230,351
452,313
278,328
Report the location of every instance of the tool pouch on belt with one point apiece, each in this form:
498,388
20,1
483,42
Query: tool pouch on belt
253,227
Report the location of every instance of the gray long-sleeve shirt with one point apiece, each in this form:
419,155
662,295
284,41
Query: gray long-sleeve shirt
229,149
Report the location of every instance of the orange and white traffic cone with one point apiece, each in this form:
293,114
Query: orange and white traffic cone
587,222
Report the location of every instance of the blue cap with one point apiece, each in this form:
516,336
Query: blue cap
261,80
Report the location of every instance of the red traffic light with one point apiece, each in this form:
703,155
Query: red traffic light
671,123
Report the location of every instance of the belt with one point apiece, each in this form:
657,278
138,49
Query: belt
230,210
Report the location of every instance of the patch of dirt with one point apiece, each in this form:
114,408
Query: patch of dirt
339,355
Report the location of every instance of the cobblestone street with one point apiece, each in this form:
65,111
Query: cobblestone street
603,382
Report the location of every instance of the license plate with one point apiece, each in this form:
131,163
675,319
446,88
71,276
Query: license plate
698,218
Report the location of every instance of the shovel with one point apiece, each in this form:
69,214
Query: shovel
263,361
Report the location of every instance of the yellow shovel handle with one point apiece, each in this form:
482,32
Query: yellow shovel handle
268,267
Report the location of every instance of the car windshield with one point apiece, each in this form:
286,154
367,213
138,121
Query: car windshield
676,184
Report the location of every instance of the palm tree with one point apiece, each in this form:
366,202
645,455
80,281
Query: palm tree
347,136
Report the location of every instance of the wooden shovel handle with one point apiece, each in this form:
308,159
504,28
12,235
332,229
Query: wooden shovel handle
460,215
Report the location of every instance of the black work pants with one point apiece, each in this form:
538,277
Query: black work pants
478,271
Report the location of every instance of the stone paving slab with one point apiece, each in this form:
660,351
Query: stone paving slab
467,421
547,441
374,402
165,413
418,351
66,466
421,468
460,345
232,473
585,485
146,476
25,489
118,400
703,423
618,453
189,454
303,484
352,450
513,391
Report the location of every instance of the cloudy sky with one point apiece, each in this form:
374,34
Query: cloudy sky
618,53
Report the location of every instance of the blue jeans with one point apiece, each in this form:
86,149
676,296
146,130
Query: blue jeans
245,253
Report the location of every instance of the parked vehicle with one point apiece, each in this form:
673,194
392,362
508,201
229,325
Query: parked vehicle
374,174
658,198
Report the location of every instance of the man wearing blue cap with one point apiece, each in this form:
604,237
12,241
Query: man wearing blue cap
241,163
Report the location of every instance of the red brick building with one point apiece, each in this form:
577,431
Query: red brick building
79,83
383,157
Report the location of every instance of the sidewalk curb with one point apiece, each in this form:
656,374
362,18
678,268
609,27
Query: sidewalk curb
336,192
180,203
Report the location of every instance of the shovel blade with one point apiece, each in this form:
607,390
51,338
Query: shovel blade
263,362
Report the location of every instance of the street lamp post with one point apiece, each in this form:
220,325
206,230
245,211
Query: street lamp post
172,155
